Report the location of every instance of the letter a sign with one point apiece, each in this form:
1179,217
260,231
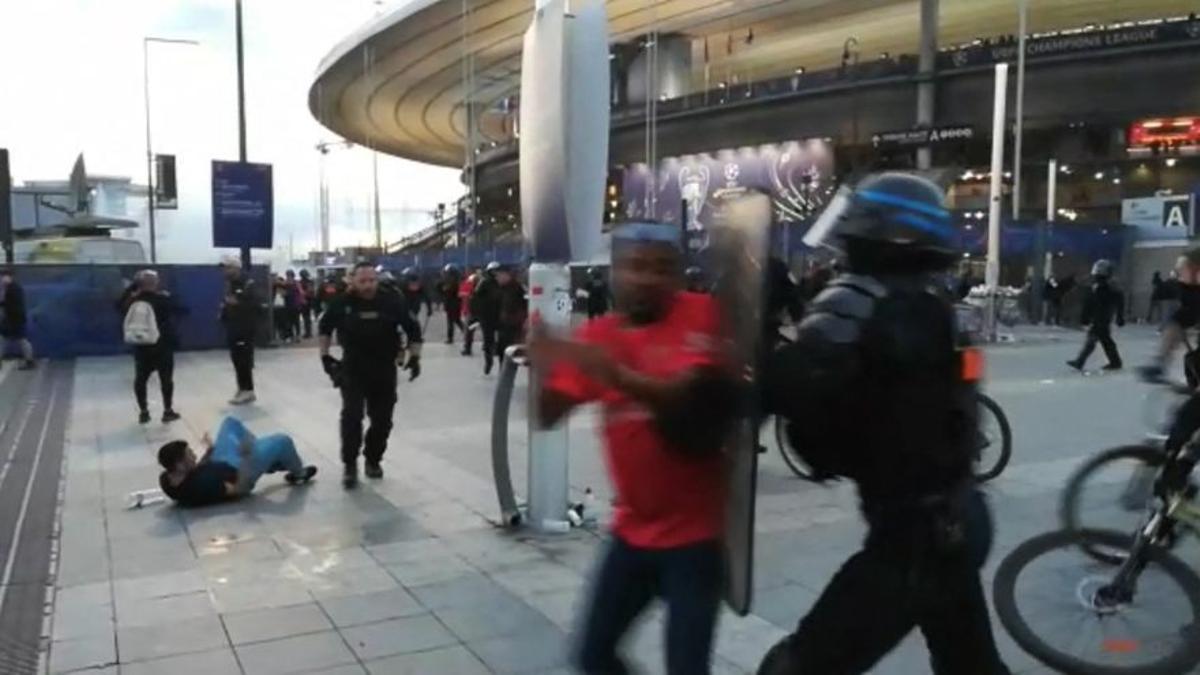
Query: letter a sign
1177,213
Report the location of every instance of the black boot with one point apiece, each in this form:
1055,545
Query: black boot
350,476
373,470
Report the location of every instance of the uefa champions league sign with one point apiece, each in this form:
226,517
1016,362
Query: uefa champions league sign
798,176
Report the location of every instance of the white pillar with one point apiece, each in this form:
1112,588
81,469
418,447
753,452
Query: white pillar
997,188
549,298
1051,212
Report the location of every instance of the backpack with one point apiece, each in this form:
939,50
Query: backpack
140,326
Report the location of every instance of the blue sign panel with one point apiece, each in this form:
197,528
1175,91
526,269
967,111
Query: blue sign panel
243,211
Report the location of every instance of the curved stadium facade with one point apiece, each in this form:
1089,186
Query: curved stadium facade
787,96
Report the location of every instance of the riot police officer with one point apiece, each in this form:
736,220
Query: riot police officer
414,293
448,289
879,345
485,309
372,326
1104,304
599,296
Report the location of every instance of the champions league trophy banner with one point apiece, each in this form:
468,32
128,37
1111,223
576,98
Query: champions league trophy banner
796,175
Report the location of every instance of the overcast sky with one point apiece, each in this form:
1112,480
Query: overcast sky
71,82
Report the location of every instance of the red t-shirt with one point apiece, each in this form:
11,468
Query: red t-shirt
665,498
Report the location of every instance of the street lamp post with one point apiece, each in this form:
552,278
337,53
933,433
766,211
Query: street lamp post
241,106
149,145
850,58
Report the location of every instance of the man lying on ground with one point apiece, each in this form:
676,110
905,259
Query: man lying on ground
230,467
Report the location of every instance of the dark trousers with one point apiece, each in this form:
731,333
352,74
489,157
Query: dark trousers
688,579
374,395
506,336
878,596
1103,335
488,330
154,359
469,336
306,314
1053,312
1155,312
293,314
242,355
453,318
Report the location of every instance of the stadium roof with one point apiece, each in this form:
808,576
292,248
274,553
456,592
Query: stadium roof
396,84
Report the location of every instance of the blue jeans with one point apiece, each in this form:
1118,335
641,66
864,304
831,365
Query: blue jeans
272,453
688,579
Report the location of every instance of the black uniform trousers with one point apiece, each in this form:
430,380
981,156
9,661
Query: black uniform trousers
372,392
488,330
306,313
241,352
149,359
896,583
1101,333
453,318
506,336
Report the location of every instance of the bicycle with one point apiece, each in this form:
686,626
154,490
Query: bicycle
992,452
1123,581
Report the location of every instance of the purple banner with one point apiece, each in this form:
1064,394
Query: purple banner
798,176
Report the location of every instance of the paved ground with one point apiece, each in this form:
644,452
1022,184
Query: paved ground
409,575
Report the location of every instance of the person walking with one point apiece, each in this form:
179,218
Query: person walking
485,309
149,326
879,344
466,290
372,327
514,310
599,297
308,302
293,301
452,304
13,322
1157,296
240,312
1052,298
1104,304
656,366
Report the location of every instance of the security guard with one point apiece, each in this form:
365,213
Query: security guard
485,308
369,324
414,293
879,345
1104,304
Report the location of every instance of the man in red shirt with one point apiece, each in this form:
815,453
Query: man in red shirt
669,400
465,289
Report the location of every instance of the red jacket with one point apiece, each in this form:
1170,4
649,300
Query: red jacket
465,288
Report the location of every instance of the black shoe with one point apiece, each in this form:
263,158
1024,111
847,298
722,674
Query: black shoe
1076,365
487,367
465,352
309,472
1112,366
169,416
350,476
144,417
373,470
449,341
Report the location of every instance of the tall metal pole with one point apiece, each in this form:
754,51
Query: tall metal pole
1051,210
241,104
993,260
149,152
6,226
375,189
1023,12
926,72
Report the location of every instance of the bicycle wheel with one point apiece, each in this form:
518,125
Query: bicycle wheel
1110,491
1050,597
995,442
790,457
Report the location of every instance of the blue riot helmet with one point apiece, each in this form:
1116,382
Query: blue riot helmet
1102,269
888,220
410,274
492,267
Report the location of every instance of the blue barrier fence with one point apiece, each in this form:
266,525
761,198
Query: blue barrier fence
72,310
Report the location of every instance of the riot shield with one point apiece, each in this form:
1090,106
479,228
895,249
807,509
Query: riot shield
738,247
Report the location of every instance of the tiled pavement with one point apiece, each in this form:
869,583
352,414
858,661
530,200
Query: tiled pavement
408,574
